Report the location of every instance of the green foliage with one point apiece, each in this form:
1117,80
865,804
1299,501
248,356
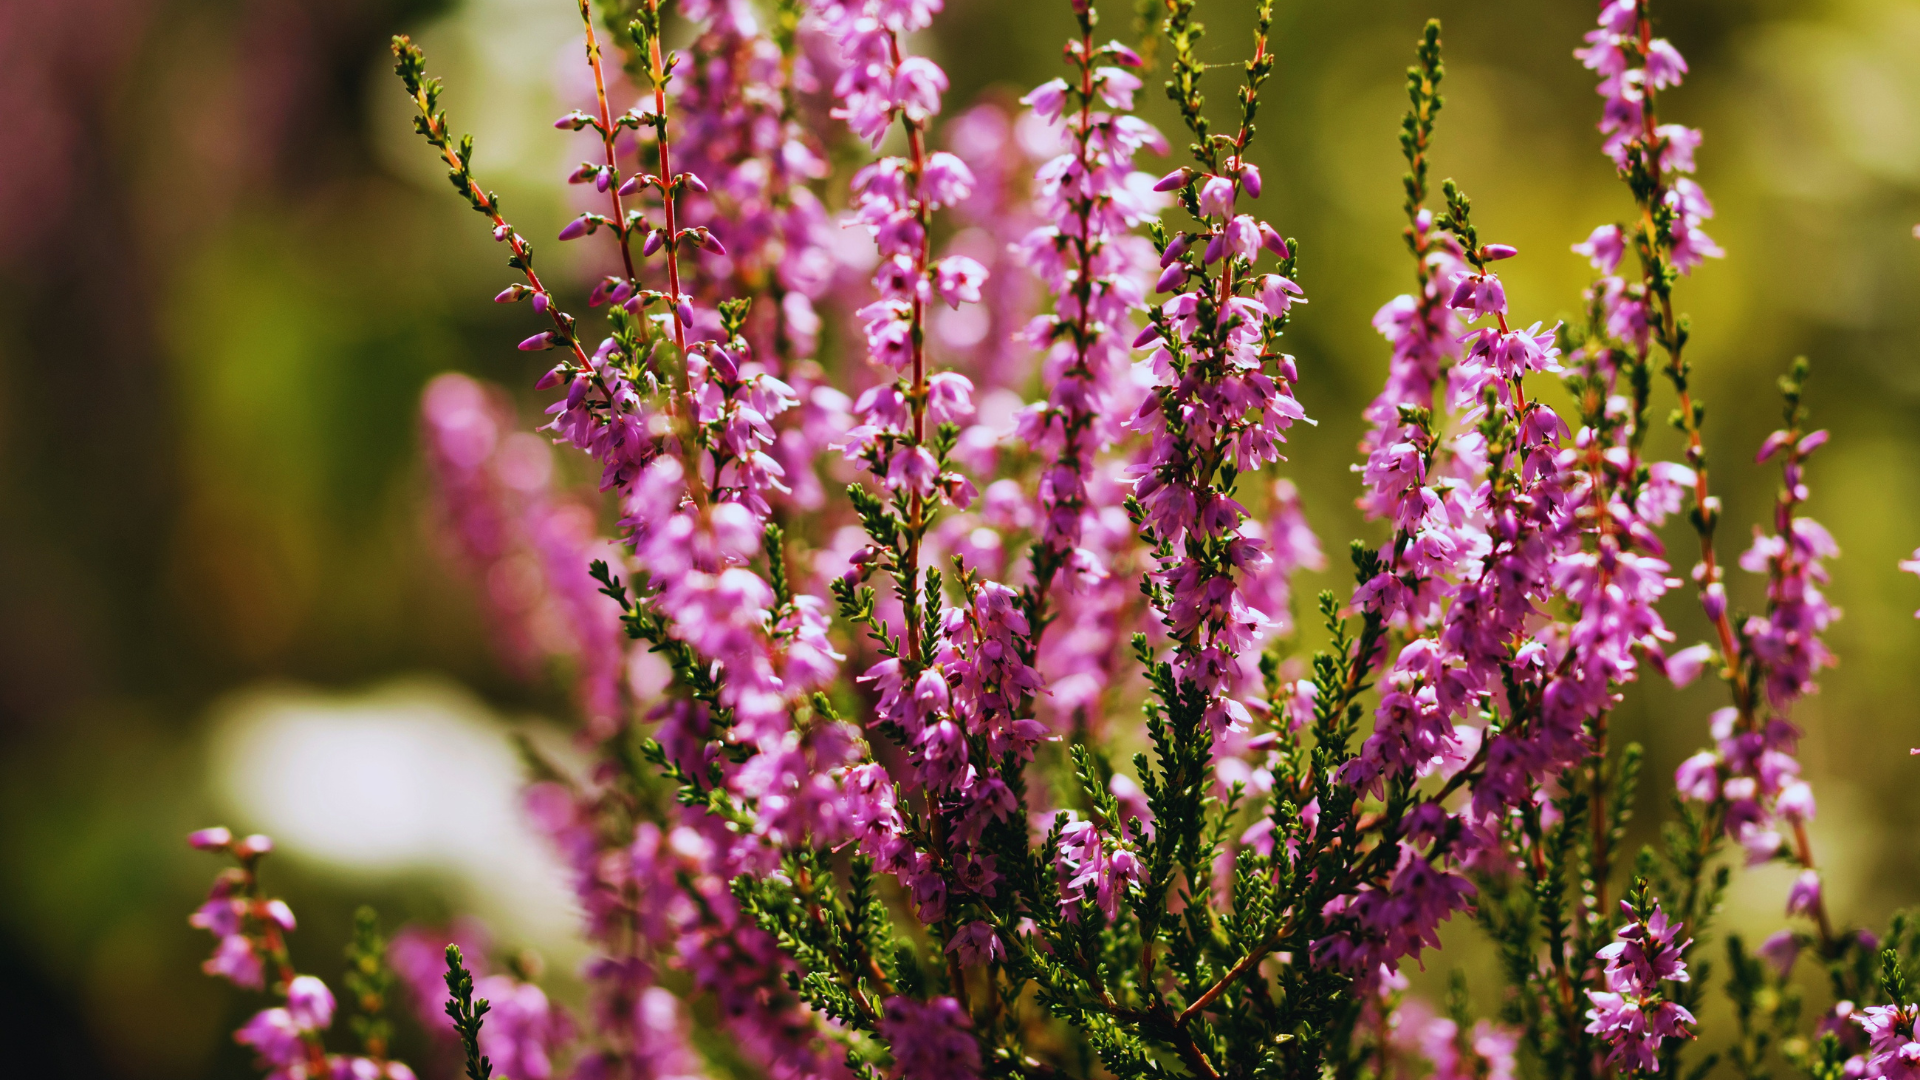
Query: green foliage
369,982
467,1015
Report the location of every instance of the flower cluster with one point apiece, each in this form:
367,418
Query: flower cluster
1893,1047
287,1039
854,778
1632,1014
527,545
1220,405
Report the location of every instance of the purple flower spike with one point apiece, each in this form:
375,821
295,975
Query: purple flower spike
1176,179
214,839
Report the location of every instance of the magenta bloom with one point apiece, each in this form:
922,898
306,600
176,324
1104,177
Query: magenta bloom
1631,1016
931,1040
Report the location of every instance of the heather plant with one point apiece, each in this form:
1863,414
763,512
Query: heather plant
940,676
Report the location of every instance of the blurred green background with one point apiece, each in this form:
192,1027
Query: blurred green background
230,270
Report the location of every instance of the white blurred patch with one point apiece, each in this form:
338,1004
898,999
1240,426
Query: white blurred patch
411,775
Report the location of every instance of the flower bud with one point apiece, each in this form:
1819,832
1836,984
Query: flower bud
1714,599
630,185
1176,179
580,226
1176,248
685,311
278,913
1127,57
694,182
1171,278
253,846
1804,896
1147,336
310,1003
1250,180
1273,241
542,340
654,239
1496,252
214,839
511,293
712,243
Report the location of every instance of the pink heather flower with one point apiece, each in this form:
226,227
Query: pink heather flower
1912,566
1685,665
279,914
1893,1048
214,839
930,1040
1047,99
1216,197
1780,950
275,1036
1804,896
958,279
309,1003
521,1027
917,85
254,846
236,960
1381,925
1487,1052
1094,869
1631,1015
977,943
1481,294
1603,248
